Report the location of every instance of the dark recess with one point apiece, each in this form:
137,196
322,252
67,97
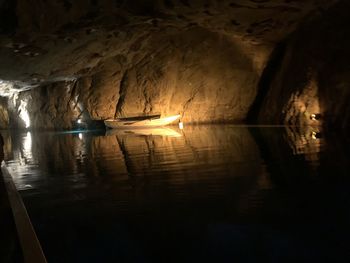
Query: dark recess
67,5
185,2
267,76
142,8
8,17
169,4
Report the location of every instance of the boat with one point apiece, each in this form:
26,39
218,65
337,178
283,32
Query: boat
140,121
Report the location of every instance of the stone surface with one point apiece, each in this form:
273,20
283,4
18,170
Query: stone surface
202,59
314,74
164,78
4,117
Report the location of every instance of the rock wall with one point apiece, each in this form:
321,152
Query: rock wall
109,58
313,78
49,107
4,115
201,75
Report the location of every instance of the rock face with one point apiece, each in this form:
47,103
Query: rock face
314,74
100,59
166,76
4,117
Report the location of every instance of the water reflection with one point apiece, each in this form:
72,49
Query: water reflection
26,154
169,160
169,157
169,132
140,195
306,140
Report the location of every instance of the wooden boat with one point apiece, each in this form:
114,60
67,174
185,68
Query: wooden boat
140,121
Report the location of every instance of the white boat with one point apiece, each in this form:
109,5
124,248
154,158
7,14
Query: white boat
140,122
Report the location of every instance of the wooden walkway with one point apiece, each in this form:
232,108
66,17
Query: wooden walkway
31,248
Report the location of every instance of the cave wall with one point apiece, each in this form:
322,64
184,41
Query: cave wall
203,59
4,115
201,75
314,74
49,107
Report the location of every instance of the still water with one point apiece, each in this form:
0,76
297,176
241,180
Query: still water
216,193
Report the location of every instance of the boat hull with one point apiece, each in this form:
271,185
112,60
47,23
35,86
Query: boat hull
148,123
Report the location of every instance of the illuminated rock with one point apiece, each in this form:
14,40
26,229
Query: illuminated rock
313,76
200,59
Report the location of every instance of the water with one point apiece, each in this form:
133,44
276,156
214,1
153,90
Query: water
206,193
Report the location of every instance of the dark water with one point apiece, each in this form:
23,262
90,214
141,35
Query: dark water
204,194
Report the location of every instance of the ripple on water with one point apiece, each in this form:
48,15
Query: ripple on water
234,186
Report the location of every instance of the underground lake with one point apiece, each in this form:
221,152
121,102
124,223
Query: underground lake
212,193
174,131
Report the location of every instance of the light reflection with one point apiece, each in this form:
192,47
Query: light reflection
132,160
166,132
305,141
26,153
79,148
27,143
23,159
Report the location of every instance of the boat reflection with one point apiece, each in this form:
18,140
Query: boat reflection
208,180
170,156
168,132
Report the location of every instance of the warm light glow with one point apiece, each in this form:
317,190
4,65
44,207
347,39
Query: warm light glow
80,136
315,135
181,125
305,105
79,121
315,116
23,113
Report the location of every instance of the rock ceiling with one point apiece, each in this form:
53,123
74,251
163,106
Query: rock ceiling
44,41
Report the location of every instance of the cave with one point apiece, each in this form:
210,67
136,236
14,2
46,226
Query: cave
254,165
